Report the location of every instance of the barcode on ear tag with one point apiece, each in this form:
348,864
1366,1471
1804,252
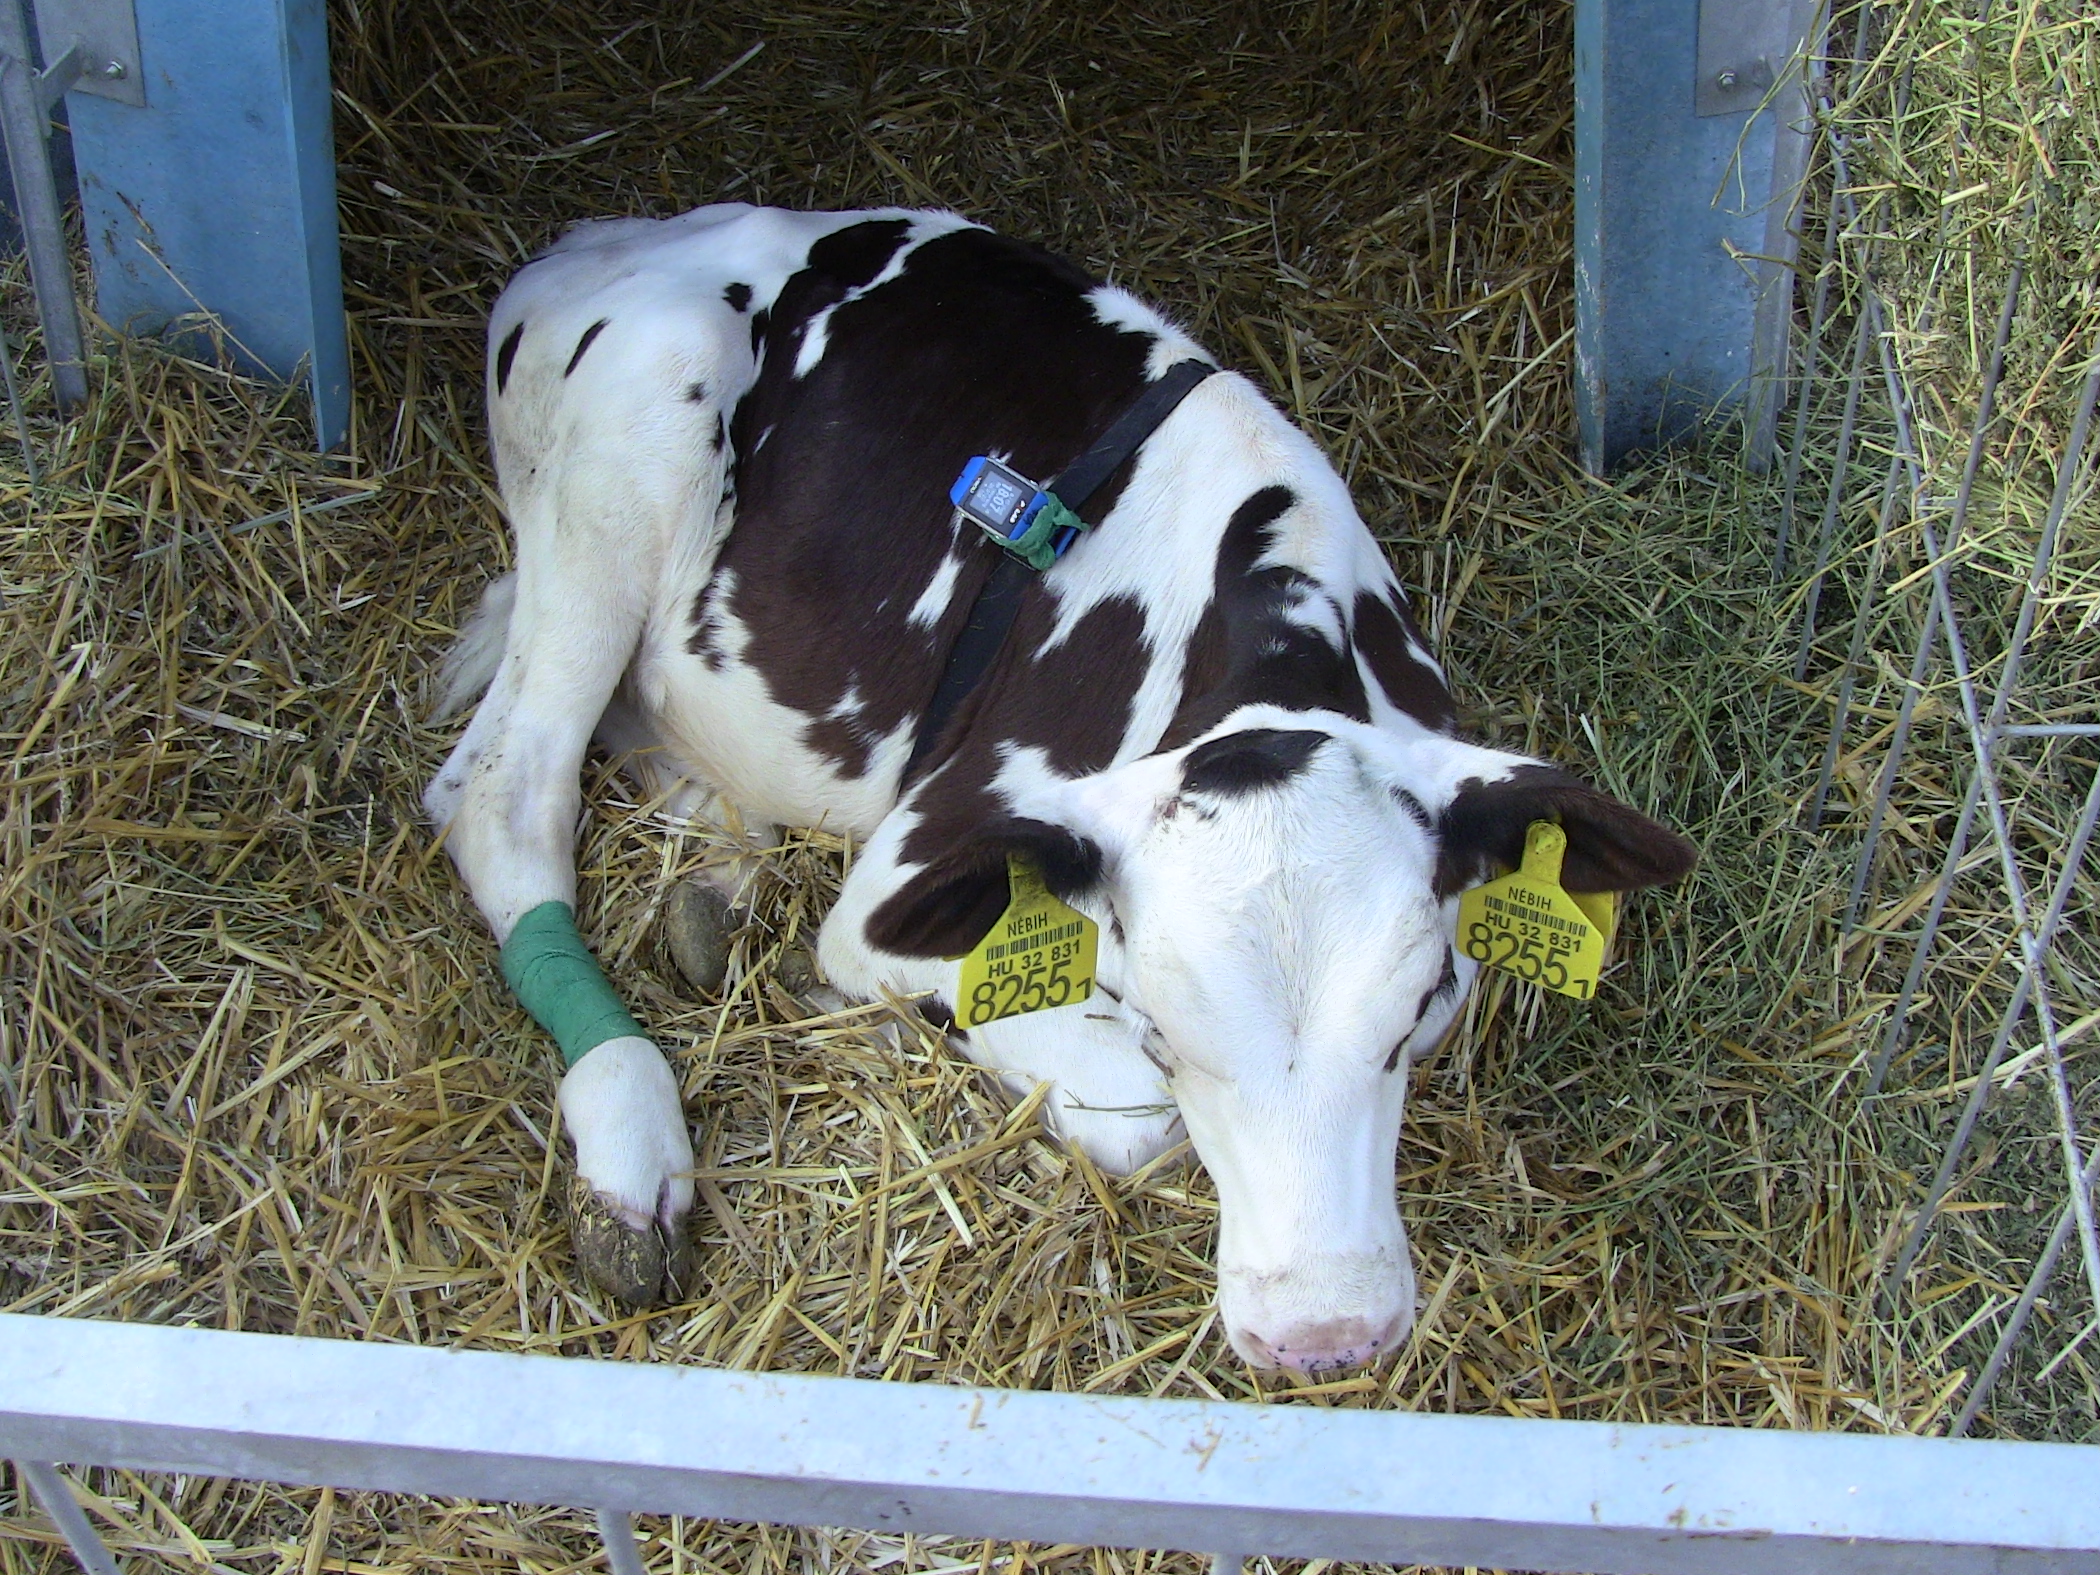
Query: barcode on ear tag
1038,955
1527,925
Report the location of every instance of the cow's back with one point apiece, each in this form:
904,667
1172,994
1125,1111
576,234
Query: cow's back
793,678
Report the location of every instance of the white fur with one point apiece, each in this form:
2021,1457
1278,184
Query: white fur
621,1107
1276,945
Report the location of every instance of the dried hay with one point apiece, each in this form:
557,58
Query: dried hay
257,1068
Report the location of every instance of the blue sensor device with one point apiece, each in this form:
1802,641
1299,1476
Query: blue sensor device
1002,501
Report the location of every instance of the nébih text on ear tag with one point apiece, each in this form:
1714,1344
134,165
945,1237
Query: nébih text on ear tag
1527,924
1038,955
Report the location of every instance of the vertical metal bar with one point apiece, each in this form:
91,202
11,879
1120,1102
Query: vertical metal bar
1835,496
2037,1282
1771,331
1957,529
14,406
56,1495
2030,987
1819,311
234,142
1928,931
616,1530
43,225
1841,710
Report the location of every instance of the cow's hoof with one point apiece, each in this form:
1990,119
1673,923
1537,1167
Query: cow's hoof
643,1268
797,971
698,928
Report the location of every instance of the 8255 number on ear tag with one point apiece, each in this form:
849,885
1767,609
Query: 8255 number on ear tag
1526,924
1038,955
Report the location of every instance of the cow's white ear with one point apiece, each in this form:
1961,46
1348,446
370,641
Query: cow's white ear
947,906
1481,802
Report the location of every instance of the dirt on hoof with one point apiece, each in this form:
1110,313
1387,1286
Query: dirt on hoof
698,928
797,971
643,1268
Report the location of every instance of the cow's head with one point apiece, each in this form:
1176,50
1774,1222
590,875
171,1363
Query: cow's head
1285,890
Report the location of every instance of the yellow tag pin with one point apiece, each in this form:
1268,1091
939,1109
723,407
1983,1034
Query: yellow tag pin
1040,954
1526,924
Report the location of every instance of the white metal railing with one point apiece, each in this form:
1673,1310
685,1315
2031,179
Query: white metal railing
1386,1487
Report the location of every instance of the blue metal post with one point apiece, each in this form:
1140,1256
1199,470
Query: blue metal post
218,196
1688,155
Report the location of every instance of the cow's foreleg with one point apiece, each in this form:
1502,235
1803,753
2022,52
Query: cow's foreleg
510,797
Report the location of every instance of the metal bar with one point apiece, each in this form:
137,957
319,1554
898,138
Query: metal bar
1388,1487
1818,313
1834,498
1921,954
218,198
1671,220
616,1531
1957,528
43,225
53,1492
2051,730
2037,1282
1841,710
2030,986
14,407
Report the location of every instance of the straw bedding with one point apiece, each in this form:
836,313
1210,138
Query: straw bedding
258,1070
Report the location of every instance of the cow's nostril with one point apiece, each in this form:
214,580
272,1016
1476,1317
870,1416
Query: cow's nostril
1329,1347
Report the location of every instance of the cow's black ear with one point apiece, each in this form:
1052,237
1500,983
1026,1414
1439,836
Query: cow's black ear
945,908
1611,846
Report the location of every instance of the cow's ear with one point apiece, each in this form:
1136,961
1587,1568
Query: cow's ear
947,906
1611,846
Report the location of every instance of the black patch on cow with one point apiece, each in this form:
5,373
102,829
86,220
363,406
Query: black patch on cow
1611,846
705,641
1417,811
850,258
761,325
946,908
721,437
738,297
977,344
583,344
696,392
1250,761
1247,649
938,1014
506,353
1414,689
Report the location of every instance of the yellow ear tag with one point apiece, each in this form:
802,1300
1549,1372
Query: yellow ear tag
1526,924
1040,954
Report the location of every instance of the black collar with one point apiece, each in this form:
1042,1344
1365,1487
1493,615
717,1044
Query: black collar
999,599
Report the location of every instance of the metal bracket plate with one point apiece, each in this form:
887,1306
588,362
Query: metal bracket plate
1745,46
106,32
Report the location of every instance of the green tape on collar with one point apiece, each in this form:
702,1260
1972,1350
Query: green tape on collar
560,983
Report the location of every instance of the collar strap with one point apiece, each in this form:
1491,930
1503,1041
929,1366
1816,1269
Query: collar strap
1034,525
1037,523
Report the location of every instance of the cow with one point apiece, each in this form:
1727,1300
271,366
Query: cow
729,444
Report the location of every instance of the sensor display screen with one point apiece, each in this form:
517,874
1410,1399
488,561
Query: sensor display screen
997,496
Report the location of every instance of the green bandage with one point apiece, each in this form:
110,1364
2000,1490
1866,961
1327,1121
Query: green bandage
559,982
1037,545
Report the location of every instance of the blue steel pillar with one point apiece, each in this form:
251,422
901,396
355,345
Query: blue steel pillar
218,194
1689,150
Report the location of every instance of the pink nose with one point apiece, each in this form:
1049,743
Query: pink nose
1331,1347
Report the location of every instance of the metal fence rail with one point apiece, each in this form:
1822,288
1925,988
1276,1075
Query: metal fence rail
1386,1487
1952,655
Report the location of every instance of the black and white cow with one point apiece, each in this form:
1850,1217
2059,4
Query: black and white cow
726,442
